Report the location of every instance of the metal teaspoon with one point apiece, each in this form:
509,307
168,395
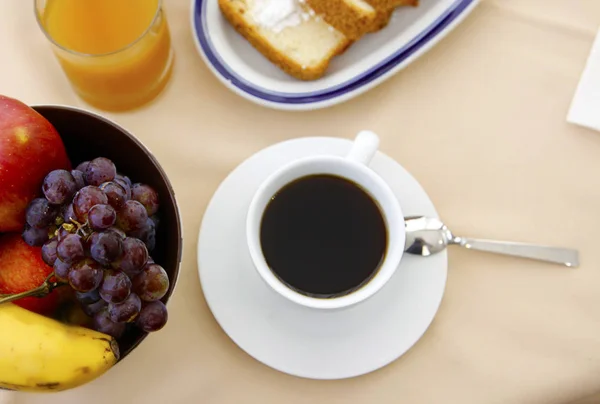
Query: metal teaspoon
427,235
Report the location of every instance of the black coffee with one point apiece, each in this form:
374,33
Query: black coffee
323,235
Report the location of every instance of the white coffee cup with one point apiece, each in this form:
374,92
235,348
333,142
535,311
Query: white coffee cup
353,167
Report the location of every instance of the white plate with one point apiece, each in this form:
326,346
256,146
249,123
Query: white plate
368,62
295,339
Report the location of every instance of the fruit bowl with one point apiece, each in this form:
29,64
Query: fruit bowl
87,136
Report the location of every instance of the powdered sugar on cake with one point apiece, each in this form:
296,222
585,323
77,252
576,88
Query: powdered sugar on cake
277,15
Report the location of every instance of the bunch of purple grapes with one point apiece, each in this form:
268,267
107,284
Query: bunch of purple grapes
97,231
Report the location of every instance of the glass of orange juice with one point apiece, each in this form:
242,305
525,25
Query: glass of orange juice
116,53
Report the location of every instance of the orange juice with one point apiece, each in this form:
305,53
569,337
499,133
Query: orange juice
116,53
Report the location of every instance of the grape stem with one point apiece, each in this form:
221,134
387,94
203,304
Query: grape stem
43,290
83,229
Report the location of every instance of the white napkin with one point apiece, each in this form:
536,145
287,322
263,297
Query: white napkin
585,107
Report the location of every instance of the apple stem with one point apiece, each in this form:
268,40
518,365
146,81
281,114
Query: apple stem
43,290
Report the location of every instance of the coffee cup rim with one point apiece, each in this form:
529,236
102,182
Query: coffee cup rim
392,214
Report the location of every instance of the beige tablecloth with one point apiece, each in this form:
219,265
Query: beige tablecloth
479,121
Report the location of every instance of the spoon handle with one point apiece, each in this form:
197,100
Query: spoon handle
557,255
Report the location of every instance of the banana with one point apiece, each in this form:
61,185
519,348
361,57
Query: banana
41,354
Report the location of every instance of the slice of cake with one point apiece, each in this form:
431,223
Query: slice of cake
385,9
353,18
382,19
383,5
287,33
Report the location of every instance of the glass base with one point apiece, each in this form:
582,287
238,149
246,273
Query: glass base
122,104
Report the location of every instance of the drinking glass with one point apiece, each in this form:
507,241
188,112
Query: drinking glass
116,54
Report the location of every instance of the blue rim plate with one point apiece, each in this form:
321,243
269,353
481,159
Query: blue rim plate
357,84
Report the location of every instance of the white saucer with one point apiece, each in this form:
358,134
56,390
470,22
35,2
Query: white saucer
294,339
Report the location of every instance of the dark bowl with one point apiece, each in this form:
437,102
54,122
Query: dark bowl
86,136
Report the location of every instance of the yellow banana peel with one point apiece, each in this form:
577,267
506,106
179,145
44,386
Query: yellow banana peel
41,354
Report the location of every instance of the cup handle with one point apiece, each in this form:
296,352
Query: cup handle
365,145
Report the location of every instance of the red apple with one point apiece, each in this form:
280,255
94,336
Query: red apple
22,269
30,147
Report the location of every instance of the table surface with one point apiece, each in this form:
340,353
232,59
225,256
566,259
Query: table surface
479,121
